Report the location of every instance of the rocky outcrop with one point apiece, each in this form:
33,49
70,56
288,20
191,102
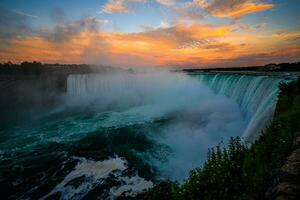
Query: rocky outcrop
287,182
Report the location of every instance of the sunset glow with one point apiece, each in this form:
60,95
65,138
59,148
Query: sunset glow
141,33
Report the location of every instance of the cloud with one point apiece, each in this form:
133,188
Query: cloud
232,8
179,43
182,35
190,11
182,10
201,46
250,27
166,2
65,30
291,54
153,47
115,6
165,24
120,6
14,24
288,36
58,15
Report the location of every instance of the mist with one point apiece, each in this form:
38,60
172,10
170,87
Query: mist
197,117
132,127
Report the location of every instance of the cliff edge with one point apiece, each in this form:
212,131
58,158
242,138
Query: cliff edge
287,182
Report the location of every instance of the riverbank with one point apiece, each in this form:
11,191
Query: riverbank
266,169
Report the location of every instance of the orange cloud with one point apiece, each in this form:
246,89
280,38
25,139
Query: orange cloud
232,8
115,6
181,45
120,6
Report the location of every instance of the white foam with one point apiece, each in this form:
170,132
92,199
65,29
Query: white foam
92,173
133,186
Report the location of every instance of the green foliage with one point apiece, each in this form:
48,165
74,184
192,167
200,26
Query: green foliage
223,168
239,171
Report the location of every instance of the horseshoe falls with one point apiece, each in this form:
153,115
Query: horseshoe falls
255,95
119,133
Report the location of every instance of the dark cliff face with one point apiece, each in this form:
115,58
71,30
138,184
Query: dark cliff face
25,95
30,88
287,182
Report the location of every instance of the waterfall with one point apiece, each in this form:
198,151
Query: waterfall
256,96
84,84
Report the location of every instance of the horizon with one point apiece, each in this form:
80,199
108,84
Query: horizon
151,33
136,68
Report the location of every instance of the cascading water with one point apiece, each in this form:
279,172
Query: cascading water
116,134
256,96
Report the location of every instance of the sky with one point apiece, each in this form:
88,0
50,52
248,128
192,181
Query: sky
151,33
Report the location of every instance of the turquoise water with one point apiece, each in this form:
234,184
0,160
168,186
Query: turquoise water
118,134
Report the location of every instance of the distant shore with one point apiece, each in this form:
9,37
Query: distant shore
38,68
282,67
